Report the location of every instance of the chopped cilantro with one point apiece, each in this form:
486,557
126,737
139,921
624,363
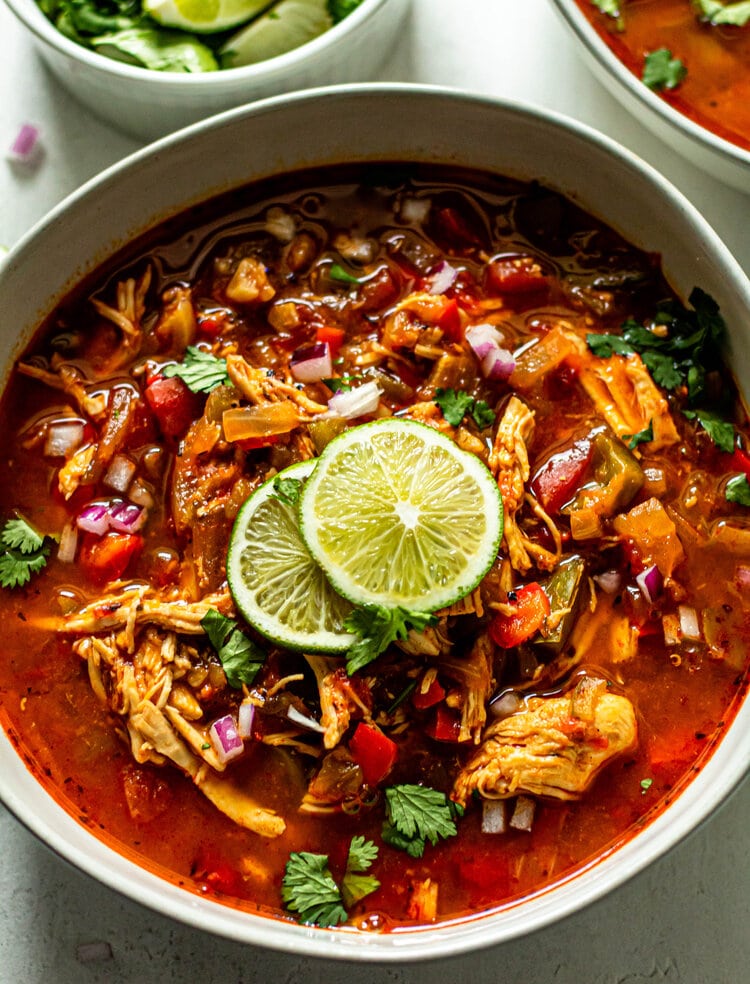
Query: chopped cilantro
377,627
417,814
24,552
456,404
609,7
662,71
337,272
641,437
719,430
310,890
400,698
737,14
239,656
287,490
200,371
646,784
738,490
341,384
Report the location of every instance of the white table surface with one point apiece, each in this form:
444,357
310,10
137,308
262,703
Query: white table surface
686,918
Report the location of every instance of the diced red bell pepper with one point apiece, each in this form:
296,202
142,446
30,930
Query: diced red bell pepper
561,475
173,404
740,462
107,558
433,695
455,226
531,608
334,337
373,751
445,725
514,275
449,320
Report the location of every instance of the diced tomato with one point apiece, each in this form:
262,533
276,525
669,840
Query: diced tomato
445,725
740,462
514,275
378,291
449,320
174,406
560,476
531,608
373,751
333,336
456,227
107,558
210,327
433,695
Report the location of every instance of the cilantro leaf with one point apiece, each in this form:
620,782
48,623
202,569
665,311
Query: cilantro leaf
483,414
606,345
609,7
309,890
287,490
719,430
377,628
662,369
355,885
738,490
641,437
25,553
341,384
736,14
239,656
337,272
456,404
362,853
417,814
17,534
662,71
200,371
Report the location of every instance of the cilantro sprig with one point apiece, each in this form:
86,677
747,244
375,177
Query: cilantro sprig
23,552
287,490
377,627
239,656
417,814
738,490
737,14
662,71
609,7
200,371
456,404
309,889
719,430
640,437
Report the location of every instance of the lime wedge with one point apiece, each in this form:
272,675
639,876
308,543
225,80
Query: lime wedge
275,583
203,16
162,51
288,24
397,514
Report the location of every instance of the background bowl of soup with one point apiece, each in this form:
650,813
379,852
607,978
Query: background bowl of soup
524,165
112,80
697,79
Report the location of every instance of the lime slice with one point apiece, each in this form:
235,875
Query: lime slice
203,16
397,514
288,24
276,585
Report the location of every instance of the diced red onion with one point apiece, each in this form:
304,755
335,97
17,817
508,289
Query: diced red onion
63,437
94,518
26,148
494,817
523,814
126,517
610,581
498,364
311,363
120,473
650,582
225,738
297,717
443,278
483,339
355,403
505,705
689,625
245,719
66,551
742,577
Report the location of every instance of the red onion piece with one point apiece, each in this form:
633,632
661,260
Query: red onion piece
311,363
742,577
494,817
650,582
610,581
94,518
498,364
483,339
126,517
443,278
245,719
63,437
66,551
355,403
26,148
225,738
120,473
506,704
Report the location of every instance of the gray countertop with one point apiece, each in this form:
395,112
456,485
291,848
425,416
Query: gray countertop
685,918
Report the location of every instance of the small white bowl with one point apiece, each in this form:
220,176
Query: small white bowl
368,123
147,104
721,158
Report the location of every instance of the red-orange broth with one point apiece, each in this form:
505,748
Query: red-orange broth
538,269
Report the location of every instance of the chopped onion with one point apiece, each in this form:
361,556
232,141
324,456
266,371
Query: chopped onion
355,403
141,494
610,581
671,626
240,423
66,552
63,437
311,363
506,704
498,364
689,625
415,209
120,473
225,738
245,719
302,720
650,582
443,278
483,339
26,148
126,517
523,814
280,224
94,518
742,577
494,817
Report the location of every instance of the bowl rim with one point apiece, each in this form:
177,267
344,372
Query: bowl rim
687,128
32,17
719,776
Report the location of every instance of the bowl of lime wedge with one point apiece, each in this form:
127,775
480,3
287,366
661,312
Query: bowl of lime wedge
149,67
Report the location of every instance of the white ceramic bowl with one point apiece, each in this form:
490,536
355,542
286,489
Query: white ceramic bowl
722,159
147,104
365,123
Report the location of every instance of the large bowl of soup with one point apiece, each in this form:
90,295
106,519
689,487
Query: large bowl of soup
485,349
682,68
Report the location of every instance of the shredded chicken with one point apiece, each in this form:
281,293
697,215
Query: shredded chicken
423,903
69,380
130,306
338,698
473,673
260,387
